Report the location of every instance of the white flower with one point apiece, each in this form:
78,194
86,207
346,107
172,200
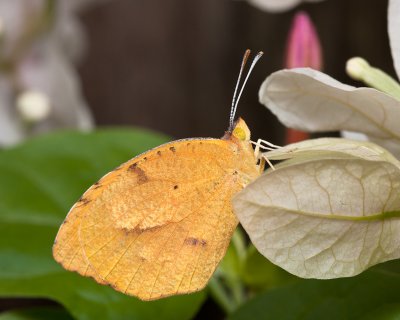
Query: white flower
311,101
41,42
332,210
278,5
332,206
394,32
33,106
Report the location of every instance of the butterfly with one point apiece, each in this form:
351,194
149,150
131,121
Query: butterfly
159,224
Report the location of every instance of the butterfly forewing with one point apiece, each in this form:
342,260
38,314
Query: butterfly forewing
160,223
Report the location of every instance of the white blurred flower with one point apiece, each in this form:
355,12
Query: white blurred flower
278,5
33,106
41,40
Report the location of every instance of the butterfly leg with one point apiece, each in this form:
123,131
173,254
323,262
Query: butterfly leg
263,144
265,158
257,152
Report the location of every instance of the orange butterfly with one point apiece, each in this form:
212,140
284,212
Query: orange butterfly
159,224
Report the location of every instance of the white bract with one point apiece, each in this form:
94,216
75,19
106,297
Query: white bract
394,32
278,5
332,206
332,211
330,148
310,100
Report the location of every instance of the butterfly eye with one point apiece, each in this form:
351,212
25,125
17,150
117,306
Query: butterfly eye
239,133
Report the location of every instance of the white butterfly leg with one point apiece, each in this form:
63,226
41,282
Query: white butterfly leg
266,145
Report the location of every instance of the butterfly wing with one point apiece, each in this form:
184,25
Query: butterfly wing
159,224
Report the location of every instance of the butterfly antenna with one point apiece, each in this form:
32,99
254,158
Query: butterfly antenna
233,111
232,115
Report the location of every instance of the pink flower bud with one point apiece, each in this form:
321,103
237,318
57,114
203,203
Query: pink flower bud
303,50
303,46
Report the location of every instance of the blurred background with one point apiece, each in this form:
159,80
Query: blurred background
172,65
166,65
169,65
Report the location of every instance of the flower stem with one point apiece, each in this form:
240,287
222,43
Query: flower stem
220,295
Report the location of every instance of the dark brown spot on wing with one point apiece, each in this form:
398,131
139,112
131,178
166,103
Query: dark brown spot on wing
132,166
128,231
142,177
195,242
138,231
175,187
83,202
97,185
172,149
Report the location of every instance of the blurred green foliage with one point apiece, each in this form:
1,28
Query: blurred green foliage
38,313
371,295
40,181
42,178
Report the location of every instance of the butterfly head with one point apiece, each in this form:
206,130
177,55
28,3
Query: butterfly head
241,130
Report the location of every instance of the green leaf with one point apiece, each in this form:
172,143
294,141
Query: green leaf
38,313
40,181
226,286
372,295
232,263
260,274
